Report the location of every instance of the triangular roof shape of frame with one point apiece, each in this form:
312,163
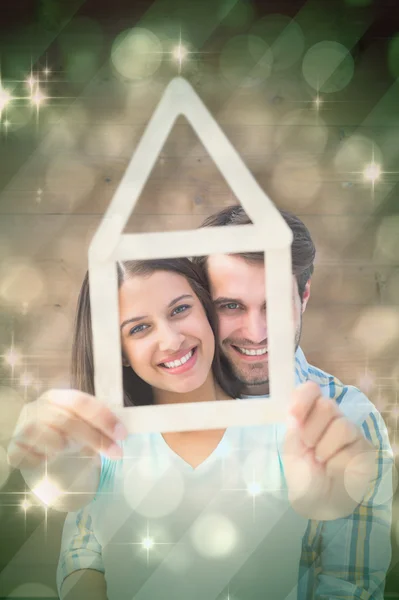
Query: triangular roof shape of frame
269,233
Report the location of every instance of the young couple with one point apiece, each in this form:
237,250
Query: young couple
207,514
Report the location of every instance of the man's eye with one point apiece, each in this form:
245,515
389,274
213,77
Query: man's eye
180,309
137,329
231,306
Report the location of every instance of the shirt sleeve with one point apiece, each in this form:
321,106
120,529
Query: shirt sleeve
80,548
349,557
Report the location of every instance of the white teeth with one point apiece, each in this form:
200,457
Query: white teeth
178,363
252,352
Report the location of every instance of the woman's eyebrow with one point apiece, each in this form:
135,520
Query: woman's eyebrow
178,299
134,319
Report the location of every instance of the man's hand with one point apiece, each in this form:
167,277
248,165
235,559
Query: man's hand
329,464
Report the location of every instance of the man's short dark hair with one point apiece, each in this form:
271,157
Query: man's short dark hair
303,250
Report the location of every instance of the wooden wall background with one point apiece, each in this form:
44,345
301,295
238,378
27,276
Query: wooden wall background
59,172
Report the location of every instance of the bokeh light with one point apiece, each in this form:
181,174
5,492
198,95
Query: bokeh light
11,404
376,328
38,97
5,98
261,470
214,535
114,139
80,42
12,357
285,38
21,282
328,67
355,154
301,130
372,172
141,478
147,543
246,60
137,53
4,467
47,491
25,505
297,177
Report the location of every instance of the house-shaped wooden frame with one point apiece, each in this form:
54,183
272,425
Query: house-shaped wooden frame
269,233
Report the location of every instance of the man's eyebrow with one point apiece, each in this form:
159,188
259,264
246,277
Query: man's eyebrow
134,319
225,300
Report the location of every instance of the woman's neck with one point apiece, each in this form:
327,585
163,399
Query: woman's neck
208,391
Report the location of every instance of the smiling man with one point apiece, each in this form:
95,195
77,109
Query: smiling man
341,558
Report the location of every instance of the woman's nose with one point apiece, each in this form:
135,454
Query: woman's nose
170,338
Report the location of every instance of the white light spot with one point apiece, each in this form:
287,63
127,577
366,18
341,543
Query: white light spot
372,172
254,488
214,535
25,505
26,379
12,357
147,543
5,98
38,98
47,491
180,53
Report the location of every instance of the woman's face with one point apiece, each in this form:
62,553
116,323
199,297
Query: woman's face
166,336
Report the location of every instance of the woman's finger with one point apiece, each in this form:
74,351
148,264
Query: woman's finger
90,409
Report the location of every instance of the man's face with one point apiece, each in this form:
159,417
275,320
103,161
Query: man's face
238,291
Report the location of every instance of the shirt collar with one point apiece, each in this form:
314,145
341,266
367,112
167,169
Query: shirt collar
301,367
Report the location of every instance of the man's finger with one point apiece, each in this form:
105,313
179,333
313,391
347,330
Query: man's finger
304,399
340,434
318,421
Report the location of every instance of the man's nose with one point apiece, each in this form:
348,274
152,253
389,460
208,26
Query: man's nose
170,338
256,328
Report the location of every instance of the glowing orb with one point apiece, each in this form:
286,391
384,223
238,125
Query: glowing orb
136,53
214,535
372,172
328,67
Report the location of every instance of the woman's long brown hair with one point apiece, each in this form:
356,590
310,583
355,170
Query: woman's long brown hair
136,391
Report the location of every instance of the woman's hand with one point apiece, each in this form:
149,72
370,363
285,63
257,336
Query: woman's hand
61,421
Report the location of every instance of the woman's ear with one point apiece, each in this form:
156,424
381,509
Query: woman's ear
125,361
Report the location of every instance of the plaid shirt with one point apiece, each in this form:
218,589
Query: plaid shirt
346,558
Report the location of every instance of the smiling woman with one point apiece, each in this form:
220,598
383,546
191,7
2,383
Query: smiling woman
168,328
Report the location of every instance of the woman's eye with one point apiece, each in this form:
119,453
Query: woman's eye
180,309
137,329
